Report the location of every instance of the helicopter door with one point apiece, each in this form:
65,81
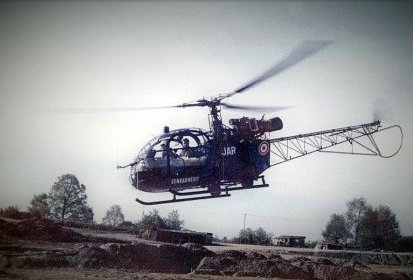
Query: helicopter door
230,154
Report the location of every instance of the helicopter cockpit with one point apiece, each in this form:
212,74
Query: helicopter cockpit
171,154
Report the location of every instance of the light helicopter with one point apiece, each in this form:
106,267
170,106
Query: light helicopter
193,164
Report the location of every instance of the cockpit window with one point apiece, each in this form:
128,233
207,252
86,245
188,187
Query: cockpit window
147,148
179,148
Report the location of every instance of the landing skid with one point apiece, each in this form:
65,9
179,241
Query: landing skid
198,195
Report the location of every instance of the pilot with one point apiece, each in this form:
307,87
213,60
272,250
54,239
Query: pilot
185,148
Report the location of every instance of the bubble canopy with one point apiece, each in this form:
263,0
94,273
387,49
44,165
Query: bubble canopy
177,153
173,140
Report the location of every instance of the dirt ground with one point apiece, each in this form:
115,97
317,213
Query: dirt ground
109,274
41,249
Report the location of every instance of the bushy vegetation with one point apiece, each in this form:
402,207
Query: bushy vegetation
128,227
405,244
249,236
13,212
310,243
154,220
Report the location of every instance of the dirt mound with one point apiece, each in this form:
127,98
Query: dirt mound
168,258
380,258
6,275
155,258
39,229
163,258
91,257
324,261
299,259
34,260
274,256
383,258
254,265
255,255
198,251
233,254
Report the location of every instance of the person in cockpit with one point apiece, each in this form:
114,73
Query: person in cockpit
185,148
166,151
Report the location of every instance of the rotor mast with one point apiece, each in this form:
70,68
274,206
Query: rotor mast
214,105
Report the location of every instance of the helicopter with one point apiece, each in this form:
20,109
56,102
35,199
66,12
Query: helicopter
194,164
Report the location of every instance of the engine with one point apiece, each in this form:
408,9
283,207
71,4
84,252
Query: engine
251,127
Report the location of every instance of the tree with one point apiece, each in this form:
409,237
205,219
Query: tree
367,233
39,206
379,228
336,230
387,228
249,236
151,220
356,209
262,237
173,221
246,236
373,228
67,200
114,216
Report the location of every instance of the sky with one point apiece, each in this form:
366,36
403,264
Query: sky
84,54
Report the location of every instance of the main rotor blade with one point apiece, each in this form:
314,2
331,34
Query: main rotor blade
101,110
305,50
264,109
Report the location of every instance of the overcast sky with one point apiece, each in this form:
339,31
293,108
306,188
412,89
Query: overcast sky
123,54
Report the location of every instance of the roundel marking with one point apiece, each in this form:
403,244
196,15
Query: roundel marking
264,148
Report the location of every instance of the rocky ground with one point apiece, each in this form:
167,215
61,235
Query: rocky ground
41,249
